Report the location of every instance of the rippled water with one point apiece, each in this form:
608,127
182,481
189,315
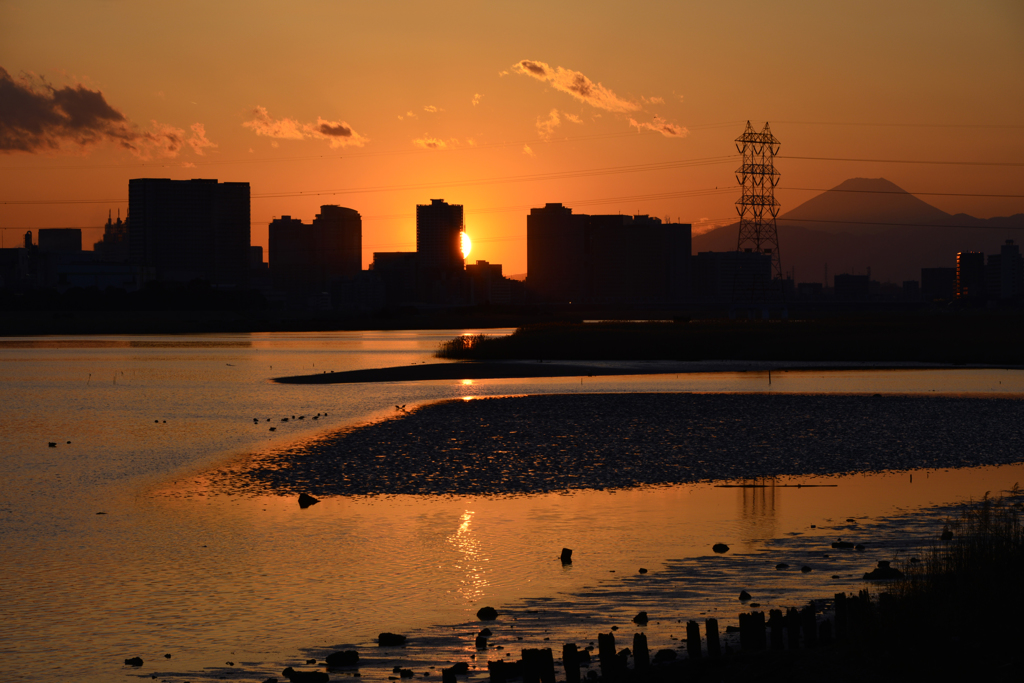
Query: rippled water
172,568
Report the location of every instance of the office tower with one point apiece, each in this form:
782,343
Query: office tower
309,257
60,239
970,275
439,227
182,230
938,284
556,257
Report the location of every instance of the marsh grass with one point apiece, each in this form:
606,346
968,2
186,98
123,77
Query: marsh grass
460,347
967,590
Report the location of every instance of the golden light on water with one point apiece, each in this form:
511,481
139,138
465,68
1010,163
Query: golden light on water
467,244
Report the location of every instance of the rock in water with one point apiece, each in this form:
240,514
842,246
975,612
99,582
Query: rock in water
566,555
485,633
640,619
744,595
343,658
305,676
487,614
390,640
720,548
883,572
664,656
134,661
305,500
782,565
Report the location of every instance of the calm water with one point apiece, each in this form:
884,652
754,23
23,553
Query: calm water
171,567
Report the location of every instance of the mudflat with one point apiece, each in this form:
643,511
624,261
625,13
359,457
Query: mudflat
533,444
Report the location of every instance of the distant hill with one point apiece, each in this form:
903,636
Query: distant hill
871,222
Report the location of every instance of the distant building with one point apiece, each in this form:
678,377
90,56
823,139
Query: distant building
310,257
724,277
398,270
182,230
60,239
911,290
114,247
487,285
1004,273
938,284
852,287
809,290
439,227
609,259
970,275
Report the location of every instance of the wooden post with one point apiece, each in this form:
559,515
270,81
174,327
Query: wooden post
793,628
693,640
546,664
810,627
606,656
825,632
448,675
496,669
641,655
714,645
531,666
760,634
842,616
571,663
775,621
746,643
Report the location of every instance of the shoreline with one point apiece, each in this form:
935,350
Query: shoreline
518,369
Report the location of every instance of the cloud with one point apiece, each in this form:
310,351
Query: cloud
198,141
527,151
431,108
336,133
653,100
503,73
546,127
669,130
572,118
476,99
37,117
427,142
576,84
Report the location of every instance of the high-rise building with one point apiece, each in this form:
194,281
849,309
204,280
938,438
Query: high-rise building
938,284
1005,273
182,230
309,257
970,275
439,227
60,239
113,248
614,259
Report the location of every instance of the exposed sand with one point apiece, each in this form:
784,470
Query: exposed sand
534,444
517,369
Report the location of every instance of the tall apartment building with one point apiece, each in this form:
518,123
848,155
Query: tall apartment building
182,230
614,259
970,275
309,257
439,227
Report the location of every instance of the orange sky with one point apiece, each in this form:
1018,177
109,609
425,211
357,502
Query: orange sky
499,106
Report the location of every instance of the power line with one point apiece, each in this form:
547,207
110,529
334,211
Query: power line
908,161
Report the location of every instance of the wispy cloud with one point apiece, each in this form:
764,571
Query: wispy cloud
546,127
572,118
198,142
428,142
432,109
653,100
576,84
669,130
336,133
36,116
476,99
527,151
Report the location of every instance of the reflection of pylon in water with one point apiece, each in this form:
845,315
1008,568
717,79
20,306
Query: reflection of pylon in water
758,208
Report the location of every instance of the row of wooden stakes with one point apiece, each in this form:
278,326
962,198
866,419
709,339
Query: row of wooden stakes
787,631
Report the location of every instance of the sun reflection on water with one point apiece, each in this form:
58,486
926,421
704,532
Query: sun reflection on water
470,561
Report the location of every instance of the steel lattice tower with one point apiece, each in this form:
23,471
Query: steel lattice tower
757,205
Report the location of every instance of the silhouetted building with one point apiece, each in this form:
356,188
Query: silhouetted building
439,227
556,254
399,272
938,284
726,277
970,275
911,290
60,239
366,292
852,287
182,230
809,290
1004,273
114,247
309,258
487,285
609,259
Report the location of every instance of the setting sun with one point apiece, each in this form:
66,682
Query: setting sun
467,244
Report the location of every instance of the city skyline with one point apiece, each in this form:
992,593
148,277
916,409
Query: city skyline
543,111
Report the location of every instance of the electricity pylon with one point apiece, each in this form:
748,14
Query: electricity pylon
757,205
